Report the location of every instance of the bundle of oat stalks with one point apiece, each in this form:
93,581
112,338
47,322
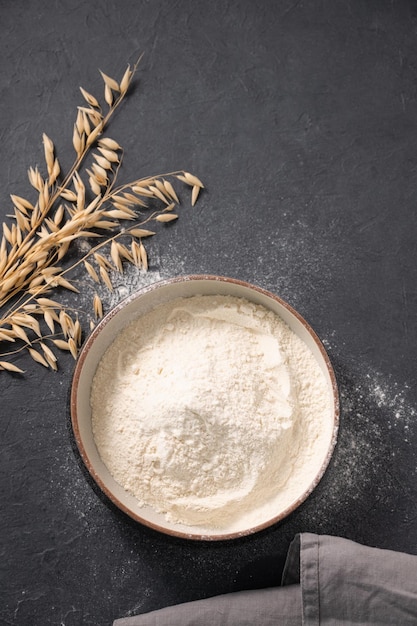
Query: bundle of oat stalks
68,207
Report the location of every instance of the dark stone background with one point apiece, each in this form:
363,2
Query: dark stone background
301,119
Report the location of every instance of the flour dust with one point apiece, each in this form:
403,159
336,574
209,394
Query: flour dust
374,456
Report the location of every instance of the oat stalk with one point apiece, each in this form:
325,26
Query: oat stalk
86,203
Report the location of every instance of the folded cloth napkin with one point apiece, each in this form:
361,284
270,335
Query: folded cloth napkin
263,607
326,581
343,582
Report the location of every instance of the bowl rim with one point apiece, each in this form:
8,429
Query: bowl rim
77,374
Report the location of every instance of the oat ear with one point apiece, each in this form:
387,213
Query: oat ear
84,203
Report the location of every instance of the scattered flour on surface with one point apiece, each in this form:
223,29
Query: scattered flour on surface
376,440
209,407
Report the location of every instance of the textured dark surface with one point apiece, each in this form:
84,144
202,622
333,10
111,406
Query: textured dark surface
301,118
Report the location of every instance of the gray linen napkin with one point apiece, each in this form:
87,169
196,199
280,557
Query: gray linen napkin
244,608
326,581
344,582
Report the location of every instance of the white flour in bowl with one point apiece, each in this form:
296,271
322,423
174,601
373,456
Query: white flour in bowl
210,407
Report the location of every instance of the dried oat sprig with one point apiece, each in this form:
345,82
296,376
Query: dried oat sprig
83,203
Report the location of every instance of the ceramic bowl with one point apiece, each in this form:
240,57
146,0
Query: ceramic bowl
103,335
